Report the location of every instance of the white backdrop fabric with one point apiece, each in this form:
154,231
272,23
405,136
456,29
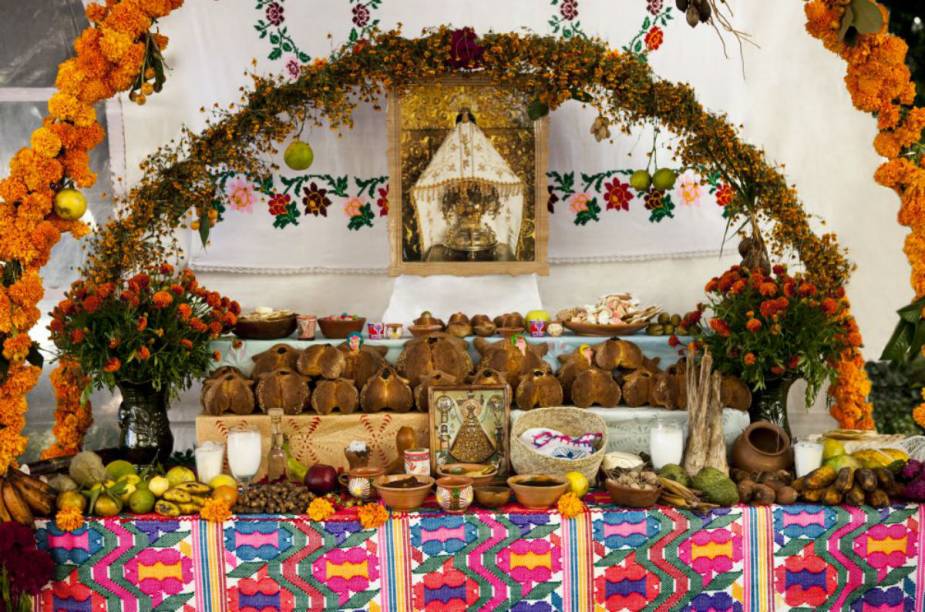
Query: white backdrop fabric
210,64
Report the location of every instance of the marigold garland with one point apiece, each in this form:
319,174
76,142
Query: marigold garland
320,509
69,519
372,516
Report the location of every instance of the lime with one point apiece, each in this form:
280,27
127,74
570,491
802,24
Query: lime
578,483
107,506
832,448
664,179
70,204
640,180
179,474
141,501
299,155
120,468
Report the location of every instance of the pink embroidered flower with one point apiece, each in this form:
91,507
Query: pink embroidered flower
886,546
159,572
346,571
530,561
569,9
277,204
241,195
352,207
275,13
654,6
579,202
360,15
691,189
712,551
293,68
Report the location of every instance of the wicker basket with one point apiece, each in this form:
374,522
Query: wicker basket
571,421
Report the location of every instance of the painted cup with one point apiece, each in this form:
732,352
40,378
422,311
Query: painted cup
537,328
454,493
394,330
417,461
376,330
360,481
307,324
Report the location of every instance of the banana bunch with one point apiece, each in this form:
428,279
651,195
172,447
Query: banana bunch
184,498
22,497
874,458
849,486
676,494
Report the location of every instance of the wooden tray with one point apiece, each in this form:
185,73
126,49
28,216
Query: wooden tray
595,329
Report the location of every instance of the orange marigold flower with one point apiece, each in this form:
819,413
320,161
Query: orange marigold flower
570,505
829,306
69,519
738,287
142,323
216,510
215,328
807,289
777,370
753,325
216,355
113,365
77,336
166,268
45,142
176,289
92,304
372,516
767,289
197,325
320,509
143,353
186,311
162,299
230,319
749,359
16,348
186,343
114,343
720,327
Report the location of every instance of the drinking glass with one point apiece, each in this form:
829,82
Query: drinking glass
209,459
245,452
666,443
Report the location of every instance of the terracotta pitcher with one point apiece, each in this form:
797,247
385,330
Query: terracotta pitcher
763,447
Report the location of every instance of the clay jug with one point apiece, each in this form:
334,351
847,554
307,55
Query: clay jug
763,447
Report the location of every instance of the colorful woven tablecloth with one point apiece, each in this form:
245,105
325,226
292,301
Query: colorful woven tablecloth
743,558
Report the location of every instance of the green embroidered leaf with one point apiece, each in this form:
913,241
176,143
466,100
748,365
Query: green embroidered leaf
304,57
353,35
900,515
359,600
637,47
63,571
174,602
246,570
721,582
646,23
614,557
274,38
540,531
169,540
275,54
897,574
543,590
431,565
287,47
793,547
722,521
355,539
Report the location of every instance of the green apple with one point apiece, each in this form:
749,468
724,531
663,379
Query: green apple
664,179
70,204
299,155
640,180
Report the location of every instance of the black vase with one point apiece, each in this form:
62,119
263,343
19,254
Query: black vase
144,435
770,403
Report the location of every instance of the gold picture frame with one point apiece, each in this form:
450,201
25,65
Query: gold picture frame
489,220
472,417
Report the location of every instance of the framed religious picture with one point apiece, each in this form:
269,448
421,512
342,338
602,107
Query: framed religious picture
467,180
469,424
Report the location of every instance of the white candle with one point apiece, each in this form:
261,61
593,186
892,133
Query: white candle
666,444
807,456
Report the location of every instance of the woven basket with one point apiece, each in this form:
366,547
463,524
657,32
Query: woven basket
571,421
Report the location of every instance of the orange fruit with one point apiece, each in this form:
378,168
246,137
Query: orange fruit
226,493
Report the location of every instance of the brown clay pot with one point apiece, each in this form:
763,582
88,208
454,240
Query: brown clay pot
763,447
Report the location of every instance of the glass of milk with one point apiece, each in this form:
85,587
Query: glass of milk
666,443
245,451
807,456
210,457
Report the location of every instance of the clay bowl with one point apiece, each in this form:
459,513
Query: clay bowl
423,330
632,498
492,496
265,329
476,471
405,498
340,328
537,496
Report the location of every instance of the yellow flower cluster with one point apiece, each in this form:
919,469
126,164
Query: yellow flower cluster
69,519
320,509
570,505
216,510
372,516
108,59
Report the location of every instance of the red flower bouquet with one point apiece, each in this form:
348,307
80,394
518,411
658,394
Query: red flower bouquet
24,569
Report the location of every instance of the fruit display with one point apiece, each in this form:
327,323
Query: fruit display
611,309
848,485
278,497
667,325
765,488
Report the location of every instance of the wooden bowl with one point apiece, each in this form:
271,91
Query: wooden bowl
632,498
403,499
537,497
423,330
475,471
265,329
340,328
596,329
492,496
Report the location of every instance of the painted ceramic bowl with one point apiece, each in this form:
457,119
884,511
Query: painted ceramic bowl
454,493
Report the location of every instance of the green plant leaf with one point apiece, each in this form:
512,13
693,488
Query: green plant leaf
35,356
204,227
537,110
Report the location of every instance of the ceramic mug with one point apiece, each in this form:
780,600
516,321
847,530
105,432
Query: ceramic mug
537,328
375,330
394,330
454,493
307,324
359,482
417,461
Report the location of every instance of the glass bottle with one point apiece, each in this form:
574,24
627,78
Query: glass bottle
276,458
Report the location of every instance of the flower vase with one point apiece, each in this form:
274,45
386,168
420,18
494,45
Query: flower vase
144,430
770,403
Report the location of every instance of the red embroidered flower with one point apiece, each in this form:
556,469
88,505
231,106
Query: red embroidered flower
360,15
275,13
724,194
383,201
278,203
569,9
654,38
617,195
316,200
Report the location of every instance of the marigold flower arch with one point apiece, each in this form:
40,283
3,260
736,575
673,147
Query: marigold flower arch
177,178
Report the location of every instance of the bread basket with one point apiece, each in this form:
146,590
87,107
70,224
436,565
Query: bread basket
571,421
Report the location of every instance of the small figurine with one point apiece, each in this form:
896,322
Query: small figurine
354,341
